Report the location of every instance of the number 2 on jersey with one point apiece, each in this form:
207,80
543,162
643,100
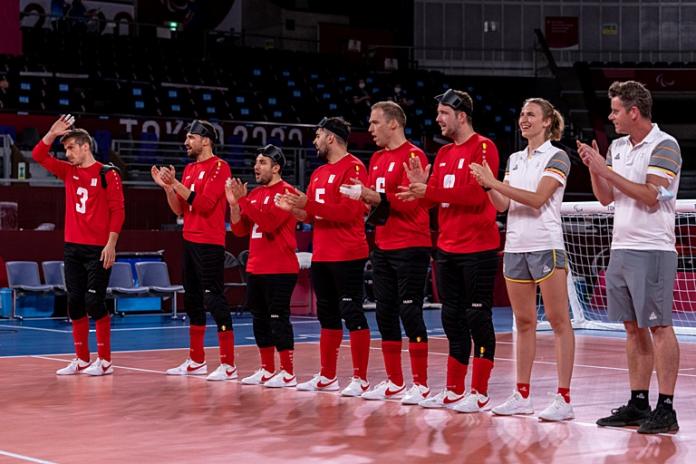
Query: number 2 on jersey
81,207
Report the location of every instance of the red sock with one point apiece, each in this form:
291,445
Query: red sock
226,340
480,373
329,343
268,358
524,389
360,352
196,351
565,393
418,351
456,373
286,363
391,351
80,332
103,327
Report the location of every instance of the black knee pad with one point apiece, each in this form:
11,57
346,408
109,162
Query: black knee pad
76,306
388,323
282,333
480,322
454,323
352,312
94,303
412,319
196,316
216,304
329,318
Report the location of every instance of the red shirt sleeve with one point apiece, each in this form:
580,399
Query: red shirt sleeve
56,167
204,202
267,221
114,198
242,228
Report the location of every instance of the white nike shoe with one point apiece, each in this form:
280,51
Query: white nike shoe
281,380
259,377
385,390
99,367
223,372
415,394
558,410
189,367
319,383
515,404
473,402
76,366
444,399
356,387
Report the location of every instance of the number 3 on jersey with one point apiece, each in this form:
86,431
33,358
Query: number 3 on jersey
81,207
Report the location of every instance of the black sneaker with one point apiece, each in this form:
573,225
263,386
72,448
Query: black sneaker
624,416
661,420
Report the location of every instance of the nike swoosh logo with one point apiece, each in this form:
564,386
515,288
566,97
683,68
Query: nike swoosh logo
324,385
230,372
105,368
481,404
288,380
83,367
390,393
266,379
191,369
447,400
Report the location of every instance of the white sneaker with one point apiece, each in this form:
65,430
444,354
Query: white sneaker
515,404
259,377
356,387
189,367
558,410
415,394
223,372
99,367
76,366
281,379
319,383
385,390
444,399
474,402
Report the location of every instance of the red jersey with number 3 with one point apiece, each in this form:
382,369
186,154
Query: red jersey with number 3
272,241
339,224
91,211
466,215
204,218
408,224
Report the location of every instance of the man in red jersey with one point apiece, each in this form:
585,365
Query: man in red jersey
401,255
94,215
338,260
272,266
200,199
467,244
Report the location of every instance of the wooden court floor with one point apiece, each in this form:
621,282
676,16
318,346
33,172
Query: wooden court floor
140,415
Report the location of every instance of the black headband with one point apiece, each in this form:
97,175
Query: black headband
202,128
451,99
274,153
336,127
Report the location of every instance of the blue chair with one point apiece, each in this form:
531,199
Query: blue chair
23,279
121,284
54,275
155,276
232,262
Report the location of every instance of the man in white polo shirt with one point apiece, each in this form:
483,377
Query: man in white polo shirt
641,176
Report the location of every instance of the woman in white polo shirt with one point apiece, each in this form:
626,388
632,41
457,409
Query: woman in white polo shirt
532,192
